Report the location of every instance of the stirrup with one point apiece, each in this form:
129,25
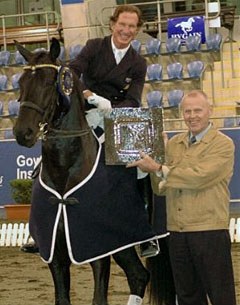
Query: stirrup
150,248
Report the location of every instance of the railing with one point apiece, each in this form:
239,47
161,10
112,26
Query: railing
158,18
48,26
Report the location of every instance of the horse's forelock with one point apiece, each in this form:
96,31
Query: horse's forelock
41,57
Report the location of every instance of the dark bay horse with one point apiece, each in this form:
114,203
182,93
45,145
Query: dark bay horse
70,228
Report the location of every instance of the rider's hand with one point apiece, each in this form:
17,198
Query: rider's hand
103,105
94,118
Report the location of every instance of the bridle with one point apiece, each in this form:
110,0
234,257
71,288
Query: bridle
46,132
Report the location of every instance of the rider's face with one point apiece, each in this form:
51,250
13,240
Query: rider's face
124,29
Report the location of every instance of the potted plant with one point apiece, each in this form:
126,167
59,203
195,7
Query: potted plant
21,190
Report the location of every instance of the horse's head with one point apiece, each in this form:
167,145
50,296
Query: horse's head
39,93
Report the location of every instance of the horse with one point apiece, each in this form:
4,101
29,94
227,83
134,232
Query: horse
186,26
68,229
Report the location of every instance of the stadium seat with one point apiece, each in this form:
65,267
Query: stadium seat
175,70
4,58
174,97
193,43
1,108
229,122
136,44
153,46
39,49
15,79
154,72
173,45
3,82
195,68
62,55
8,134
19,59
213,41
154,99
13,107
74,51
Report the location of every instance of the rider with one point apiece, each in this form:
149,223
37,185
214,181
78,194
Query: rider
111,81
113,76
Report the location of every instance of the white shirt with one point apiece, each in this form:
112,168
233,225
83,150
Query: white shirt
119,53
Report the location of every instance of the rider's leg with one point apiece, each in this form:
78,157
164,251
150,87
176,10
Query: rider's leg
150,248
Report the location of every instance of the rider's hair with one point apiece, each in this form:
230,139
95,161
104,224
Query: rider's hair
129,9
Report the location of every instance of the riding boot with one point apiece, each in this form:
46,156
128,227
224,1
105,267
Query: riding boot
150,248
30,248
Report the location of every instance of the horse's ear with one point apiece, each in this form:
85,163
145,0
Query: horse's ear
24,52
55,48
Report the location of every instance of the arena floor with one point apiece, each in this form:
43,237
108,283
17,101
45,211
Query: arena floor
26,280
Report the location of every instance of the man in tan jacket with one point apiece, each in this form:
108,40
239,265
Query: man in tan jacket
195,179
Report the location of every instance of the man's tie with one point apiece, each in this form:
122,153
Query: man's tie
192,140
119,56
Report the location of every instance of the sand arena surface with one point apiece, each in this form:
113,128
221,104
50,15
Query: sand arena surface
26,280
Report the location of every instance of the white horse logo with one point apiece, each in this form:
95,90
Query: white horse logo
186,26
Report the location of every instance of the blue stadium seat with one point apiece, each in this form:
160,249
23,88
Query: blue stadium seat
1,108
136,44
195,68
173,45
174,97
3,82
229,122
153,46
19,59
213,41
15,79
175,70
62,55
74,51
5,58
8,134
193,43
154,99
39,50
13,107
154,72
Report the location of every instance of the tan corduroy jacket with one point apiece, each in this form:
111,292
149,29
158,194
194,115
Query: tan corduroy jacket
196,185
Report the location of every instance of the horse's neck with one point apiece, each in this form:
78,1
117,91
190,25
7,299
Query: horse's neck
67,160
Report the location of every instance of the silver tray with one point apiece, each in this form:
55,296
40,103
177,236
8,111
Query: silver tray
131,130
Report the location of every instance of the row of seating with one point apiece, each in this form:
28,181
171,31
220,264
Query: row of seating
231,122
174,71
175,45
13,108
8,134
14,59
155,98
14,82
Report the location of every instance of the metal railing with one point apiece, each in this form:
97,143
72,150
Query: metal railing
45,19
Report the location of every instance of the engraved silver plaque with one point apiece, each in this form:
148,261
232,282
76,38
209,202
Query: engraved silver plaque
131,130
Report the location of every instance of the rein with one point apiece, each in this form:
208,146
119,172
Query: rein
45,132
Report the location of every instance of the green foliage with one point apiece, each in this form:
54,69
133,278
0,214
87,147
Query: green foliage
21,190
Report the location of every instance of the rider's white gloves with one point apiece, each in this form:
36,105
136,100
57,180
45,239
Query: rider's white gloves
103,105
94,118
